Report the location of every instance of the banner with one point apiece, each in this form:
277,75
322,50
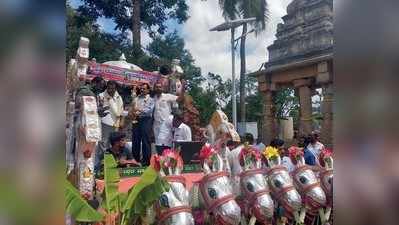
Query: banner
125,76
137,171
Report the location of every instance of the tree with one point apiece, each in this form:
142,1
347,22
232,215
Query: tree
287,104
233,9
103,46
133,14
172,47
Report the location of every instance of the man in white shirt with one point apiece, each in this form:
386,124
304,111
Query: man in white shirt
172,130
181,132
113,103
162,110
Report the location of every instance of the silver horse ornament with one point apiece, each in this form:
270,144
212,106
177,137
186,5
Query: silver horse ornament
257,203
213,196
326,177
308,185
282,187
173,206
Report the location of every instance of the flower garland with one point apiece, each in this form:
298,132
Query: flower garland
271,153
295,154
325,153
207,153
248,156
170,158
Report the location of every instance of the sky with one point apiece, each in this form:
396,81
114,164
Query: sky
212,50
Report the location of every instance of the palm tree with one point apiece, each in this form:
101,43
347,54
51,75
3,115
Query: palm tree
136,23
234,9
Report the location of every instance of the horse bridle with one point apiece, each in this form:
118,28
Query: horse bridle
252,196
169,212
324,173
278,194
305,189
212,204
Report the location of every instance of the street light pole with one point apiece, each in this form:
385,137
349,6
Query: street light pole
232,24
233,71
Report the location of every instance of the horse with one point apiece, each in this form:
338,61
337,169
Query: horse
326,177
212,197
253,189
282,187
307,183
173,206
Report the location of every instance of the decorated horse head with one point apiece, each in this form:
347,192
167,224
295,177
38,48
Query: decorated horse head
281,184
326,175
173,207
306,182
213,195
254,190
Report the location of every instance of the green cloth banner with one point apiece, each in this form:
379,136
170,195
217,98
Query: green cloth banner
137,171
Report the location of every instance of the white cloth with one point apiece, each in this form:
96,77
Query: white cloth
315,149
115,104
162,111
168,134
182,133
163,106
286,161
164,134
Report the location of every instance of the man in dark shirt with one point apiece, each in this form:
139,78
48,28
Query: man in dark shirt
121,154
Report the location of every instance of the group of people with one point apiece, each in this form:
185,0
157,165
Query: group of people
310,145
155,117
157,123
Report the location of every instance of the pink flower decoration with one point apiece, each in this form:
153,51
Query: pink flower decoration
295,152
325,153
171,158
249,152
155,162
206,152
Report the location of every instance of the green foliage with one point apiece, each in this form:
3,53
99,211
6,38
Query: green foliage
103,46
234,9
154,13
172,47
287,104
143,194
77,207
111,180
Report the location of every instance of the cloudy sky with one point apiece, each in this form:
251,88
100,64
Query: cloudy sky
211,50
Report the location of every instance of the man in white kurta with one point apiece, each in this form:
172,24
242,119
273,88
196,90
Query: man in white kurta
162,111
114,104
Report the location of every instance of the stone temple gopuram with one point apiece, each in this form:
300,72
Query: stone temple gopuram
301,57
